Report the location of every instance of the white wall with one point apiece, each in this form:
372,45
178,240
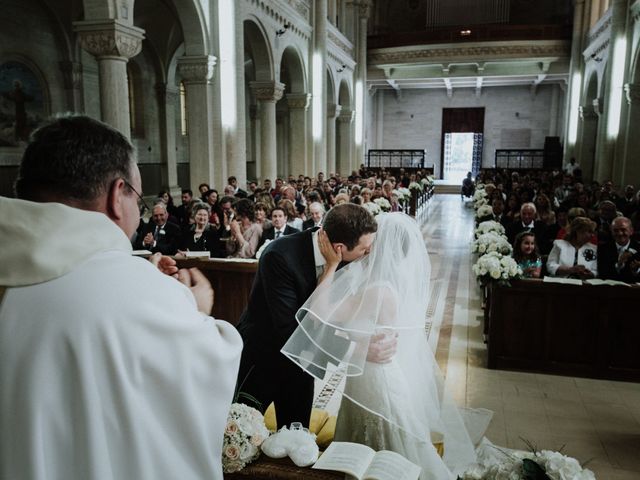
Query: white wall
414,120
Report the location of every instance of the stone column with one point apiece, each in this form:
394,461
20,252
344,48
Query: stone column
575,67
197,73
167,99
553,120
379,118
267,94
362,9
113,43
72,77
254,122
319,86
587,136
333,111
345,134
298,105
630,171
332,9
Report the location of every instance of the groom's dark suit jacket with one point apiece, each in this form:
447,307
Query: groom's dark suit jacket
286,277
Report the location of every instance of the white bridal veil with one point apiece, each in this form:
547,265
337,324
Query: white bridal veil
386,291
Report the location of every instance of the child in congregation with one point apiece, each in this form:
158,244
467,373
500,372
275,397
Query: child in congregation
525,253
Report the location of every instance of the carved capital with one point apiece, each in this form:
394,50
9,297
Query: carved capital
267,91
362,7
196,69
587,112
71,74
298,100
333,110
346,116
598,106
110,38
632,92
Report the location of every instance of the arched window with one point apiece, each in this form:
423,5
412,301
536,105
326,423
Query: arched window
183,110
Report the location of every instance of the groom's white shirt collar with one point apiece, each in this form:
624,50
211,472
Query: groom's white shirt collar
317,255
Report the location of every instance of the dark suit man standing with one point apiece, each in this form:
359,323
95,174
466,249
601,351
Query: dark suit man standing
619,259
287,275
159,235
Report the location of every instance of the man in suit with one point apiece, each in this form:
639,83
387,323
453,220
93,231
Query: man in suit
316,213
182,212
287,275
159,235
237,191
527,221
618,259
279,227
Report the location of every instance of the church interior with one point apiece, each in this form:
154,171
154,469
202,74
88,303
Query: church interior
266,89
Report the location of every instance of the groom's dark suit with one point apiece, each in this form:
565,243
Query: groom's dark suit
286,277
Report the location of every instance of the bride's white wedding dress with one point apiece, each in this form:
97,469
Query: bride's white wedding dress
402,405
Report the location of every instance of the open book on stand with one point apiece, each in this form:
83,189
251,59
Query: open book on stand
364,463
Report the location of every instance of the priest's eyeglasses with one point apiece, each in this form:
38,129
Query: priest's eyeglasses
141,203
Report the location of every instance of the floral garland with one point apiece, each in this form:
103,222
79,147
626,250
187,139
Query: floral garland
491,242
494,266
489,226
243,435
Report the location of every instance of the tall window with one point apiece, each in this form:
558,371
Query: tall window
183,110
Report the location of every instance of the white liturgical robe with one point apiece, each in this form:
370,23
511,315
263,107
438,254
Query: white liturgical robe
107,369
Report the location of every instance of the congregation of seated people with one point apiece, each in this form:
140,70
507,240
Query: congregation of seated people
237,223
559,226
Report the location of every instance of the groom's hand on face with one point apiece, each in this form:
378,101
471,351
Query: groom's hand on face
332,255
382,348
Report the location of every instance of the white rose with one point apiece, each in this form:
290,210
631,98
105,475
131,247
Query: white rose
495,274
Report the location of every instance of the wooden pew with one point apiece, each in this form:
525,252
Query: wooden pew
231,281
585,331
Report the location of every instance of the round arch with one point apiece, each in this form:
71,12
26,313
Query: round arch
257,50
331,88
292,72
344,95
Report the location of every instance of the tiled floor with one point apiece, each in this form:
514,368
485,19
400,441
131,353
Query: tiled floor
595,420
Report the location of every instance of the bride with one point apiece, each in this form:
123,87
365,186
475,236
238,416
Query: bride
400,405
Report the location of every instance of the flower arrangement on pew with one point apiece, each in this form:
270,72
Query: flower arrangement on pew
484,213
489,226
491,242
374,208
480,197
532,465
496,267
383,203
404,194
415,186
243,435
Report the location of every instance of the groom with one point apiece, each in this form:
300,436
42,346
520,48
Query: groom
286,277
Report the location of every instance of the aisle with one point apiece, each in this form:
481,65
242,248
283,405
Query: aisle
594,419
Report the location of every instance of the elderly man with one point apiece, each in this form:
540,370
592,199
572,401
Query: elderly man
159,235
109,369
617,259
527,221
316,213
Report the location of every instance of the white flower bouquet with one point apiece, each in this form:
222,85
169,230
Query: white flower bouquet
383,203
374,208
415,186
536,465
243,435
426,181
484,212
491,242
494,266
404,194
479,194
489,226
261,249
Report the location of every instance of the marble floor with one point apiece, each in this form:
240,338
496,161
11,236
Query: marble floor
595,421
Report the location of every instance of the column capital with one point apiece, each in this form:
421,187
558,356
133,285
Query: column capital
587,112
298,100
346,116
71,74
197,69
632,92
267,91
109,38
598,106
363,7
333,110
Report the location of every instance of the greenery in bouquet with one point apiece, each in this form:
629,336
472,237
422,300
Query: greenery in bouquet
415,186
261,249
484,213
532,465
491,242
496,267
374,208
489,226
383,203
243,435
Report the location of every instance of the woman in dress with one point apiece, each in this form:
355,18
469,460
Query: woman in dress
245,232
201,236
400,405
575,256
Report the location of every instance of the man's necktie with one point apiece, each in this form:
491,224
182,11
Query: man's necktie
278,233
155,233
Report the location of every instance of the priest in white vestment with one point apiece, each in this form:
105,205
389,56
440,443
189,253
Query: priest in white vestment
108,370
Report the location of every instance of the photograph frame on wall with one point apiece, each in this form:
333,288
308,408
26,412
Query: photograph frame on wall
23,101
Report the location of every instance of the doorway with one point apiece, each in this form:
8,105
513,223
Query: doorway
462,140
